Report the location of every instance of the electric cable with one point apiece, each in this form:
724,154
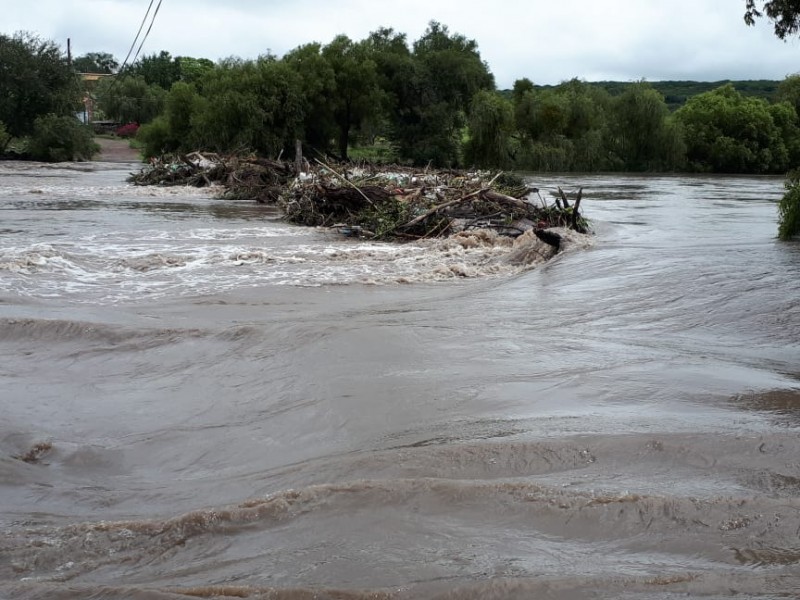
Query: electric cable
135,39
121,71
147,33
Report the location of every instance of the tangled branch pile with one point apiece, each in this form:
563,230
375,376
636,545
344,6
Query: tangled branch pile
385,203
243,178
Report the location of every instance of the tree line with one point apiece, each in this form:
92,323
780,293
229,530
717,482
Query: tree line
432,101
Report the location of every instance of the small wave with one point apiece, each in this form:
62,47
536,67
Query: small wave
150,262
41,257
56,330
76,591
719,522
670,584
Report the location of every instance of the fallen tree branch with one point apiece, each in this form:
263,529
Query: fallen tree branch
347,181
442,206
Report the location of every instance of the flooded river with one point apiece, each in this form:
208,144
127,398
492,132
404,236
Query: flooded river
199,400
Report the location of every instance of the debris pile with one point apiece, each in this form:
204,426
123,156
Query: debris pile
378,202
242,178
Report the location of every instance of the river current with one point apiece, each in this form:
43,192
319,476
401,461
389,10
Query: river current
200,400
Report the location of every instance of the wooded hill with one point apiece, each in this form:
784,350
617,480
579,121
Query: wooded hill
676,93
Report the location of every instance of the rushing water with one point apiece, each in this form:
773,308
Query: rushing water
216,404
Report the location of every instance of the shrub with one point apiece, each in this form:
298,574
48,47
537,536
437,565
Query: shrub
127,131
789,207
155,137
5,137
57,139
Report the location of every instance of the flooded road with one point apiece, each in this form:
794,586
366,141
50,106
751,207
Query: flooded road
199,400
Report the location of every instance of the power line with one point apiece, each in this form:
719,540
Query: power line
133,44
121,71
153,20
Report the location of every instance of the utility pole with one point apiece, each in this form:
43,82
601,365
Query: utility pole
69,52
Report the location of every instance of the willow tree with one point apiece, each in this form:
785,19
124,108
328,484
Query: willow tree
127,99
727,132
356,96
318,84
249,105
35,80
784,14
433,87
646,138
491,122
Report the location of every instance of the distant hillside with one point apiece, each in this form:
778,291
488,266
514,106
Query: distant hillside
677,92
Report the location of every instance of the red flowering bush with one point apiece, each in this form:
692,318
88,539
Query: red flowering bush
127,131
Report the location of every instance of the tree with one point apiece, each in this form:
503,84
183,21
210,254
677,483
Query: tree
439,79
159,69
785,15
253,105
192,70
356,94
730,133
180,107
491,121
643,137
395,69
5,138
789,91
318,83
96,62
35,80
789,208
455,65
787,121
61,138
129,99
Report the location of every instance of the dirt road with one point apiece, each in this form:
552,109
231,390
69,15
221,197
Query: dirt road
116,150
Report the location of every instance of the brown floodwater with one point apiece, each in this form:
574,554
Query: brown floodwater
199,400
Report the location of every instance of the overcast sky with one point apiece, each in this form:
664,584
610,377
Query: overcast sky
547,41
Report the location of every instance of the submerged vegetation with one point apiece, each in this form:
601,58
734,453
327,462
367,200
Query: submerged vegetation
789,208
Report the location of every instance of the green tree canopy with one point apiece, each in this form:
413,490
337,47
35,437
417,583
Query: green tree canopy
491,122
789,91
192,70
35,80
96,62
253,105
318,83
356,95
439,79
129,99
157,69
729,133
562,128
644,138
58,139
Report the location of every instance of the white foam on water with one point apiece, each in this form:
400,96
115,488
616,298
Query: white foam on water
157,266
178,241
